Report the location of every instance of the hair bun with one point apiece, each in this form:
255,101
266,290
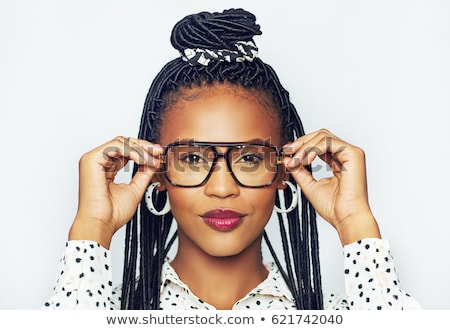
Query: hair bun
214,30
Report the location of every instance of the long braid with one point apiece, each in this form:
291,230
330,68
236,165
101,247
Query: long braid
143,262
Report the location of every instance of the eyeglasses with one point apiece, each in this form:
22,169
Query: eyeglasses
191,164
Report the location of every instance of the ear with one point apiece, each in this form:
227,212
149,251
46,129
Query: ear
161,178
282,176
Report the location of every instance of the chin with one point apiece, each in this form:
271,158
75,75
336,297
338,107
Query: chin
225,250
223,254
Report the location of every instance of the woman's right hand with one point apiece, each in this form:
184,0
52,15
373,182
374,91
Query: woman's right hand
103,205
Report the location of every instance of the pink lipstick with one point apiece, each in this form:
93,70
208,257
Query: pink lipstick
222,219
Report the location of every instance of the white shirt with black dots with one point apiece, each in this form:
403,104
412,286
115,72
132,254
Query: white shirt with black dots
371,282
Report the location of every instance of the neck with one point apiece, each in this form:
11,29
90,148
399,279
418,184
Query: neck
219,281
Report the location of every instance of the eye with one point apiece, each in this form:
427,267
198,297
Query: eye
192,158
251,158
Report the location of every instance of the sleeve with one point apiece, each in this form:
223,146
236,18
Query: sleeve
371,280
83,279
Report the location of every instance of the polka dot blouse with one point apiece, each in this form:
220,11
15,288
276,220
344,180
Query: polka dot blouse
371,282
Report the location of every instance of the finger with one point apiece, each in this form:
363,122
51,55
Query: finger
332,150
141,180
112,167
140,151
292,147
152,149
345,160
323,144
304,179
333,162
105,161
133,149
299,149
303,155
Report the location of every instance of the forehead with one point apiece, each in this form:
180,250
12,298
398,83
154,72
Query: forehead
220,113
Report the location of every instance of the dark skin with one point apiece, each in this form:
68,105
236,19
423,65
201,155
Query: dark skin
232,259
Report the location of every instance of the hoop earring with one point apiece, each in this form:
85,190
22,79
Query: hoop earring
294,201
149,200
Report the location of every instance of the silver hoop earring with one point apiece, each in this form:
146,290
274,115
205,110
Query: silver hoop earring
149,200
294,201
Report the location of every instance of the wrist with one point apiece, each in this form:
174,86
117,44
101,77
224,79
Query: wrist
358,227
91,229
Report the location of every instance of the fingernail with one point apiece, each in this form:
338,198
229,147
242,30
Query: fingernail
291,162
287,149
158,146
156,161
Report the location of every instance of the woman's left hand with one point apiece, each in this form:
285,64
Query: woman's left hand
342,198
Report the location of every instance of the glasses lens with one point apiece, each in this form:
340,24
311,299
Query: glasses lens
188,165
254,165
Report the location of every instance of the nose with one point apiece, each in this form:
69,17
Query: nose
221,184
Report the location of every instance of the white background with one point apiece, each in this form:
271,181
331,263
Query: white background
74,74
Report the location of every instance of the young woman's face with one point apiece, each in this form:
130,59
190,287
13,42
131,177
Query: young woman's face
221,217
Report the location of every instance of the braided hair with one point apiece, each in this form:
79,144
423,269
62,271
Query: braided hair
149,237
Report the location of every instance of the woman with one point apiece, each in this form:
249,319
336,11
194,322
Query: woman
219,138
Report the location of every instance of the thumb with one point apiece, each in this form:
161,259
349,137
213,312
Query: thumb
304,179
141,180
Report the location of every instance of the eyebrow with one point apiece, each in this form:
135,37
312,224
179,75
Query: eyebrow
256,141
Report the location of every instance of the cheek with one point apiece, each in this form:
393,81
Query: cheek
261,200
182,200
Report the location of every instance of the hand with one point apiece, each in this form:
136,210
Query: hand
341,199
105,206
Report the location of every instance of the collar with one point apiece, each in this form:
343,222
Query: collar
274,284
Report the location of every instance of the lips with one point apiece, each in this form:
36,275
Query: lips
222,220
